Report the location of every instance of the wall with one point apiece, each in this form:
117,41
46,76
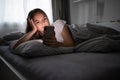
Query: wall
111,10
88,11
83,11
73,12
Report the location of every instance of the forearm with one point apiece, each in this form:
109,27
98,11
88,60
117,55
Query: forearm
26,37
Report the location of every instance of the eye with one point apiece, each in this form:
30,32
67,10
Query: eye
45,19
37,22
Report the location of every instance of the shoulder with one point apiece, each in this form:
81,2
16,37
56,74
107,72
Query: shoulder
60,22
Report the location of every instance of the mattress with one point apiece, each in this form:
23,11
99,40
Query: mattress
73,66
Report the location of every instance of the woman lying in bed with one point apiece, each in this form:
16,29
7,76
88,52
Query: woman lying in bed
36,21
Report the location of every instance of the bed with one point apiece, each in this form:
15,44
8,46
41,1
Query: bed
76,65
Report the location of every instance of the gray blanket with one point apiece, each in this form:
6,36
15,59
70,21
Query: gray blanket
74,66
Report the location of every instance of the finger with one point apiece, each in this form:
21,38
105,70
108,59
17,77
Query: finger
46,40
46,43
29,20
49,38
32,21
33,24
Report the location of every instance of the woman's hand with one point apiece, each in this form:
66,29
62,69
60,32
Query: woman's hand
50,41
32,24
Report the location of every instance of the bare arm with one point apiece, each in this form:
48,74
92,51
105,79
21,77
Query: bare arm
68,40
27,36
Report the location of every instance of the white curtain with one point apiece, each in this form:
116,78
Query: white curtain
83,11
13,13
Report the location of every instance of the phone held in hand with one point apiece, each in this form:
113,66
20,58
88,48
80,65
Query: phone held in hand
49,36
49,31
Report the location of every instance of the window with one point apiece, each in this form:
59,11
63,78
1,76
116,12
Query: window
16,10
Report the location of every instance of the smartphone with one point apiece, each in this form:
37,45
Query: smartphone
49,31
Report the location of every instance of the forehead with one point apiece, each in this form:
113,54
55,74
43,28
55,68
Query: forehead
38,15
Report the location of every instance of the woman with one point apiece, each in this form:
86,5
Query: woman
36,21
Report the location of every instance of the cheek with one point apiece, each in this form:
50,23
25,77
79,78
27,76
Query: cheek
46,24
40,27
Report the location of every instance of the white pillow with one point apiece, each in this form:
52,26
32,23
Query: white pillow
35,48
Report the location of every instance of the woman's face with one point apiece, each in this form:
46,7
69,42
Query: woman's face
40,21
